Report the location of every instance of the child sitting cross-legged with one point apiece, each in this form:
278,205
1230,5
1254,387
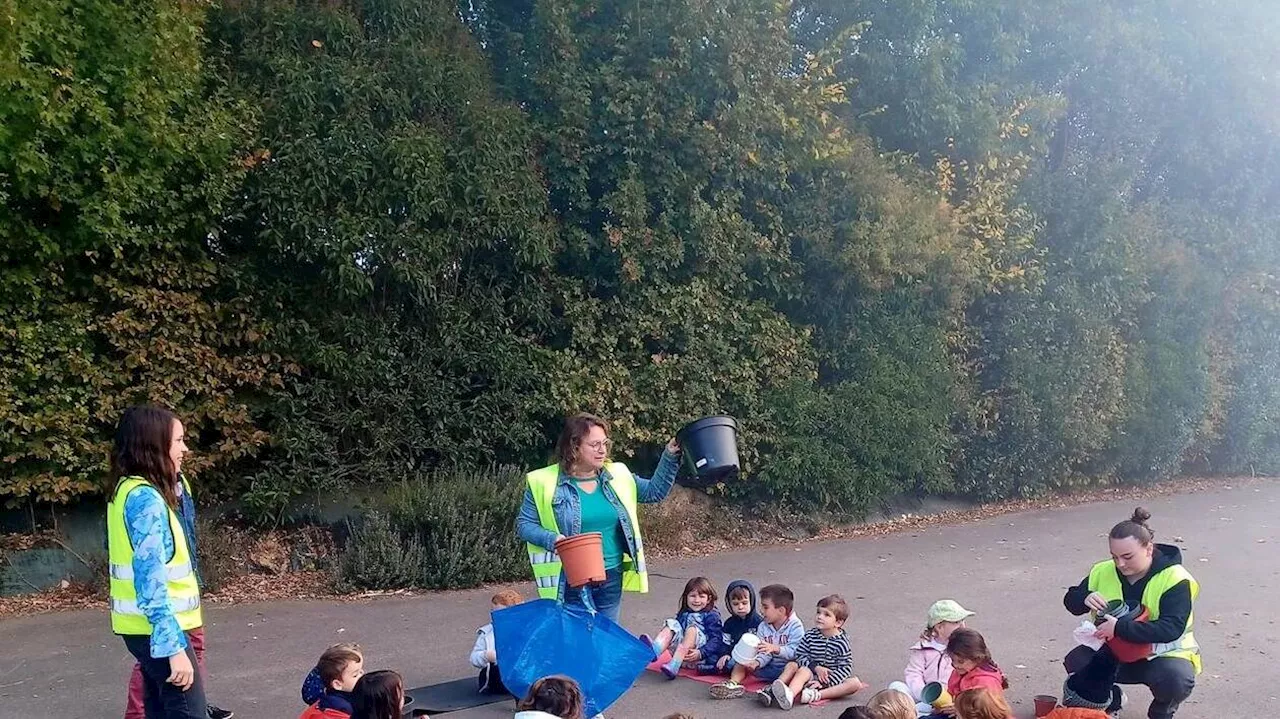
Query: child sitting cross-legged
780,633
484,654
823,666
695,632
327,689
740,600
1089,692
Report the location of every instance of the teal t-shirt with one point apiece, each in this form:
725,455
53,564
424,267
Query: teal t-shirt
598,515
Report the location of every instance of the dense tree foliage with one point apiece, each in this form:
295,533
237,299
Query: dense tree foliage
990,247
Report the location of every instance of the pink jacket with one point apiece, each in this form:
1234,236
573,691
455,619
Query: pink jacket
985,676
926,662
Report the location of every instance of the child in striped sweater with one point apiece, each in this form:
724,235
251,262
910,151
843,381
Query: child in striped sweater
823,667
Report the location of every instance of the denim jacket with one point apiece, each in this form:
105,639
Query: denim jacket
568,510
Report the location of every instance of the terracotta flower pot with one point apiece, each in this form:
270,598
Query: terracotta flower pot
583,558
1045,703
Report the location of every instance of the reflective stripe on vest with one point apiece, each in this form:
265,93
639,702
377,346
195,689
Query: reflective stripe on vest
546,565
182,587
1105,580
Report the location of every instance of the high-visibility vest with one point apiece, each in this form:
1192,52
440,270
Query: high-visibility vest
1104,580
183,587
546,565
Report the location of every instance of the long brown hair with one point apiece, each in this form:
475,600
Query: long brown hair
701,585
982,703
378,695
575,428
141,449
969,645
557,695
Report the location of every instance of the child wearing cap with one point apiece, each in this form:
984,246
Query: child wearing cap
927,659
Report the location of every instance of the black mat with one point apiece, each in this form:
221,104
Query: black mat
451,696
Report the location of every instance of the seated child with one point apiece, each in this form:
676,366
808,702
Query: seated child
971,665
379,695
780,632
1090,692
858,713
823,665
891,704
554,697
327,689
484,656
982,703
696,630
740,600
927,660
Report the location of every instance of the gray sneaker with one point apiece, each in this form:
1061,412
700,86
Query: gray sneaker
764,697
726,690
783,694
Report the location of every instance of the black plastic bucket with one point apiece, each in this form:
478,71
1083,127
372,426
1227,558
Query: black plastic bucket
710,448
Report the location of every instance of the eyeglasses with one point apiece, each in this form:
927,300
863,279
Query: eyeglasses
602,444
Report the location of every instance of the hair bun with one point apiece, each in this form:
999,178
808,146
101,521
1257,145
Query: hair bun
1140,516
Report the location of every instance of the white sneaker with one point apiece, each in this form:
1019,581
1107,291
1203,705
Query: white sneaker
783,694
809,695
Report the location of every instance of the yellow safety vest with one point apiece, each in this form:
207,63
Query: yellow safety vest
1104,580
183,588
546,565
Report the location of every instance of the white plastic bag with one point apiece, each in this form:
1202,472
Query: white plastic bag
1085,635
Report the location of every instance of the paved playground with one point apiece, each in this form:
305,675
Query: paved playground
1012,570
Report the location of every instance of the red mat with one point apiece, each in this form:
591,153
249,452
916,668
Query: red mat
750,684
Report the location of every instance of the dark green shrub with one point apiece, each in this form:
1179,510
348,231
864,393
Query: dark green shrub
444,529
377,556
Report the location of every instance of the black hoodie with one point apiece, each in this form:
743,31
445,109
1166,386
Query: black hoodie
735,626
1175,604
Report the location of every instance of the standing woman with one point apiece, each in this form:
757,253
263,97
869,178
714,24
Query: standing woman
582,493
1143,572
155,596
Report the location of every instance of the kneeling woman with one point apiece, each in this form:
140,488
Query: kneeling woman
1143,572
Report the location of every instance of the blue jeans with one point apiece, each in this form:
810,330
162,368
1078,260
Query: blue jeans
770,671
606,596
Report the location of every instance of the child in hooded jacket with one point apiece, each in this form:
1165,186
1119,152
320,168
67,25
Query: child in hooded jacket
927,659
328,688
696,632
972,666
740,601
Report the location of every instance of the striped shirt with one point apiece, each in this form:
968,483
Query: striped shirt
818,650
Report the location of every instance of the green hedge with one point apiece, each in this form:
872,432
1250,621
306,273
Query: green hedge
356,242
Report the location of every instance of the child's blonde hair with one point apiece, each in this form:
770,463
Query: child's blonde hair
891,704
982,704
507,598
